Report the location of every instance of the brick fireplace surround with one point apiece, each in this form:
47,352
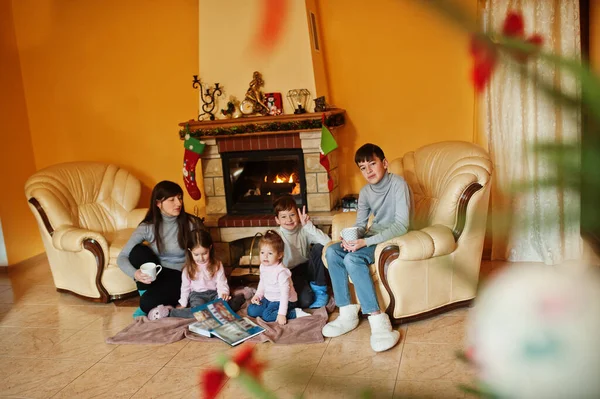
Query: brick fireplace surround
321,203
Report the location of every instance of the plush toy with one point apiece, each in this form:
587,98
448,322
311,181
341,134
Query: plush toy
534,332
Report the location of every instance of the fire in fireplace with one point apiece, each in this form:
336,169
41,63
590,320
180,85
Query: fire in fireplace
254,179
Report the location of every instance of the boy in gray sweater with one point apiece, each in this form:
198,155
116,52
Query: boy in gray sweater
387,197
308,271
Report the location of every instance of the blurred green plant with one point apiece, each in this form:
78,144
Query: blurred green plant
573,167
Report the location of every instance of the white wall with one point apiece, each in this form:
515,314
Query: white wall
228,54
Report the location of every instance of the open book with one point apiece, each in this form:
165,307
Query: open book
218,319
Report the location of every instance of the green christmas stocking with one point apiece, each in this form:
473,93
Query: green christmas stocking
328,144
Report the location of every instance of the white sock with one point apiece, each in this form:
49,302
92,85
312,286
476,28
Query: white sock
301,313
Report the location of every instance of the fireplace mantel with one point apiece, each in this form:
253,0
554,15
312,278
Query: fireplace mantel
262,125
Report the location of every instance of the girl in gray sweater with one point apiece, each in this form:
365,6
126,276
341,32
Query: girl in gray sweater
160,238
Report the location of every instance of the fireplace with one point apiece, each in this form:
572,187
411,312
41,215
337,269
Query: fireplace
254,179
240,153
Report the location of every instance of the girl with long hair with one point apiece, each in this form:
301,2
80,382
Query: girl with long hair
203,280
161,238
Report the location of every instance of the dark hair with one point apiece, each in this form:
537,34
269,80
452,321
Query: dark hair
200,238
367,152
163,190
274,240
285,203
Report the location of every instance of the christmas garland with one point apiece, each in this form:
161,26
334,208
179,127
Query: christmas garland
331,121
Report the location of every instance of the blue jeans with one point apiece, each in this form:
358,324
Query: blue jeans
267,310
356,264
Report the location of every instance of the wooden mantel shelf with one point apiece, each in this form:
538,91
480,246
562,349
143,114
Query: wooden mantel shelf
261,125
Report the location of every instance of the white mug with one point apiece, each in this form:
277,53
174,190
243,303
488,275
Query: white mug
350,233
149,268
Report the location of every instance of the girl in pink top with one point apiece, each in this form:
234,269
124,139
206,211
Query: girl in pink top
275,298
202,280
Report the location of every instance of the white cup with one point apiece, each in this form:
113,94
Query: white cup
150,269
350,233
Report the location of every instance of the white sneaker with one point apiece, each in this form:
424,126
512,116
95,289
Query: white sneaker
383,337
346,322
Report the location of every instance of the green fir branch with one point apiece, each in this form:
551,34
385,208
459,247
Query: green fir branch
331,121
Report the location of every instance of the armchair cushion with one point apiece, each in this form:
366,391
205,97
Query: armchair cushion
117,241
68,238
135,217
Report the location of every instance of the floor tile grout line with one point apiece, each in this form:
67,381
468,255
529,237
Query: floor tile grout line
173,357
401,355
317,366
74,379
153,375
145,382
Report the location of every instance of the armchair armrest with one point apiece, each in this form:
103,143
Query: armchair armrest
323,258
72,239
426,243
135,217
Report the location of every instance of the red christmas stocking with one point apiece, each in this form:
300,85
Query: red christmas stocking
324,161
193,149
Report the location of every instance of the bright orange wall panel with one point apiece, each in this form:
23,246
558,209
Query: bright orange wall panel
109,81
16,153
401,72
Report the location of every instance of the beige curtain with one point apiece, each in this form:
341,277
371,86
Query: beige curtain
532,224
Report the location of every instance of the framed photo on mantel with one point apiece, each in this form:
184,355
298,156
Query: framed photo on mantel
274,103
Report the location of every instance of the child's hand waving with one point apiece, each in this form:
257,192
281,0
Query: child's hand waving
281,319
304,218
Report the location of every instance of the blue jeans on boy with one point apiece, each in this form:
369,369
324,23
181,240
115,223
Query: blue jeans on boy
356,264
267,310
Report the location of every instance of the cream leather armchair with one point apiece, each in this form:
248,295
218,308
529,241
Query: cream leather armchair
435,266
86,213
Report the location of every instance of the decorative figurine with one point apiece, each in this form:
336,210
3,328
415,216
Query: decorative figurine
253,102
320,104
228,112
232,110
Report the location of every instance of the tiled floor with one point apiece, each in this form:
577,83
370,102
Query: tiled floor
52,346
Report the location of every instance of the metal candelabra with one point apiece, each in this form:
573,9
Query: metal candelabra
208,97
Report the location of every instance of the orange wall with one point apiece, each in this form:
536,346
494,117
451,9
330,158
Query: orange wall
109,81
16,153
402,74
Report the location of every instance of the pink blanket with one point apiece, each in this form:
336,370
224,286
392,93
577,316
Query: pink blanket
305,330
